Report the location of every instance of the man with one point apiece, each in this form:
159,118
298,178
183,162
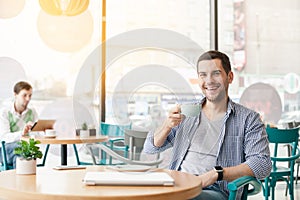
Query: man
224,142
17,120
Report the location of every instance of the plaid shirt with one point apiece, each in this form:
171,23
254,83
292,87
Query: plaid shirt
243,139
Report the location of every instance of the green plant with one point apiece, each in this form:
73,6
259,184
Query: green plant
84,126
28,150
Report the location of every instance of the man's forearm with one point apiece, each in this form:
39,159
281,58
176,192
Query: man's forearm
161,134
232,173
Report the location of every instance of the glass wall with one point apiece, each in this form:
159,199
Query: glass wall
162,40
260,38
263,41
151,48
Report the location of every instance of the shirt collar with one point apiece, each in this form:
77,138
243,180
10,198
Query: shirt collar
230,105
13,110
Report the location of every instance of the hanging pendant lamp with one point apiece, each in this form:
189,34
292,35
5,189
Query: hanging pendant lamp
64,7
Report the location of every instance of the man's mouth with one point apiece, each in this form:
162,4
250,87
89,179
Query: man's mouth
211,88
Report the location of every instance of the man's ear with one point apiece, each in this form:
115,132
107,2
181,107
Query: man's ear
230,77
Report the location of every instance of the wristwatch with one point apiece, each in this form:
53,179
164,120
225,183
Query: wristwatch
219,170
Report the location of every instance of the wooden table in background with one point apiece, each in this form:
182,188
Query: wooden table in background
64,141
50,184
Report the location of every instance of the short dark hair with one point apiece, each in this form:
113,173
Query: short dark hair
213,54
21,86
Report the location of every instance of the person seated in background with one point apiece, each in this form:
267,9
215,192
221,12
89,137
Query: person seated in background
17,119
224,142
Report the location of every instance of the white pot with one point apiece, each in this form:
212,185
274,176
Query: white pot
24,166
84,133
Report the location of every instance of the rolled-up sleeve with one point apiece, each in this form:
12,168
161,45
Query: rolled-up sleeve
257,150
149,146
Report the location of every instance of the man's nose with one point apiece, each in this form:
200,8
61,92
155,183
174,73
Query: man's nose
28,98
209,78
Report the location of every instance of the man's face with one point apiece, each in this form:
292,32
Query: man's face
22,99
213,80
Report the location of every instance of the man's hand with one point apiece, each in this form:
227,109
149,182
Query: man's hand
27,128
208,178
174,117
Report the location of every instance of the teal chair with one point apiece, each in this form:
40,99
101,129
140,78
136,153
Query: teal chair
116,143
5,165
279,171
116,135
244,182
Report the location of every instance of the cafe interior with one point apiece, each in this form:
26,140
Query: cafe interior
118,65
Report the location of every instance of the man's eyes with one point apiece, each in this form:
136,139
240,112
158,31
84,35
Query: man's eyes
215,73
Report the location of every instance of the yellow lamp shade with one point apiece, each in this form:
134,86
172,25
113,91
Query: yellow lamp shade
64,7
63,33
11,8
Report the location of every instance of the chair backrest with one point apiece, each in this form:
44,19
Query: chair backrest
135,140
113,130
284,136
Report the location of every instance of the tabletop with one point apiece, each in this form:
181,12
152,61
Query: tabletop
69,139
50,184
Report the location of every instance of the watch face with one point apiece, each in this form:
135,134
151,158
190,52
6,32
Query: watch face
218,168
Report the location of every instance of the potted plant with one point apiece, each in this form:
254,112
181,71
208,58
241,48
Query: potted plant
91,131
84,132
27,152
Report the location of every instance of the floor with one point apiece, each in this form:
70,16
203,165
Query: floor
53,159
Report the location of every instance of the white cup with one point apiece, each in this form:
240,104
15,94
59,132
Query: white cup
190,110
50,132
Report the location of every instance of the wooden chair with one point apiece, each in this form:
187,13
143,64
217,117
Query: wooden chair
282,137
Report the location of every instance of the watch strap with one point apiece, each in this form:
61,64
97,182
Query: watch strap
219,170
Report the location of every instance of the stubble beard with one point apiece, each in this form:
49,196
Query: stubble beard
217,97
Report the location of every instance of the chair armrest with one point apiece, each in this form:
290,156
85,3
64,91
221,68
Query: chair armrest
233,186
117,144
112,140
123,159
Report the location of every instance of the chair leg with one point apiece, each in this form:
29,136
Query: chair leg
45,156
76,154
92,154
291,188
266,189
272,186
287,186
297,172
103,158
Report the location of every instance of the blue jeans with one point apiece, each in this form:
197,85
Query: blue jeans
212,192
11,157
